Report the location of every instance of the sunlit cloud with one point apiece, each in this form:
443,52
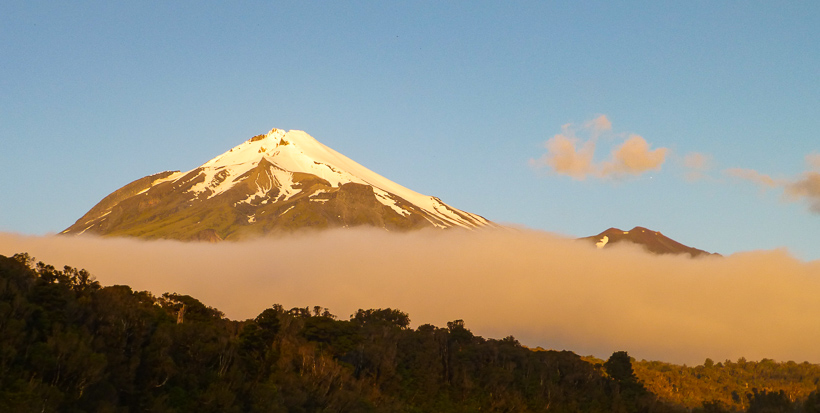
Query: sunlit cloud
763,180
599,125
813,161
543,289
634,158
697,165
567,159
805,187
568,154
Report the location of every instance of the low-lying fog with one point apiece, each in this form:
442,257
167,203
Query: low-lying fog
545,290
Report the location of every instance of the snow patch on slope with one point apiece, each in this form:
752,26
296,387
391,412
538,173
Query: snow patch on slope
384,197
172,177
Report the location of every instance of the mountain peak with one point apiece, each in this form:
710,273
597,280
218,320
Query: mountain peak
274,181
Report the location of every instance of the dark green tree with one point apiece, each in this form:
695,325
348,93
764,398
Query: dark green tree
768,402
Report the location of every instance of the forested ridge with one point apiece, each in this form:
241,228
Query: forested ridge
67,344
728,382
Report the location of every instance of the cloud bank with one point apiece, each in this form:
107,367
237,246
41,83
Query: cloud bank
567,154
545,290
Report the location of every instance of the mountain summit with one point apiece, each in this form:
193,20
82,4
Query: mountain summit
276,182
652,241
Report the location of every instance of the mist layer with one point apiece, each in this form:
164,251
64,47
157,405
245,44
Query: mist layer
543,289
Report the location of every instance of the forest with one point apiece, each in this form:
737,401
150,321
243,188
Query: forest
68,344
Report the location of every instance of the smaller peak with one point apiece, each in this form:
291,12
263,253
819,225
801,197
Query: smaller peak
640,229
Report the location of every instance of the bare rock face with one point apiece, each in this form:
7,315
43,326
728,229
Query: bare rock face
652,241
277,182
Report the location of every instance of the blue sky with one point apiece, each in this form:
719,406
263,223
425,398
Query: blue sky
451,99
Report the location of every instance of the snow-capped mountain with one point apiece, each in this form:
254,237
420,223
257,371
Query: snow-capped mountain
279,181
652,241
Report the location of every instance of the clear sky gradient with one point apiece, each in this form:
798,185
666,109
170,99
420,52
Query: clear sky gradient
451,99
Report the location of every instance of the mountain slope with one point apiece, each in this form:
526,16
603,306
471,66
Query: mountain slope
276,182
652,241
